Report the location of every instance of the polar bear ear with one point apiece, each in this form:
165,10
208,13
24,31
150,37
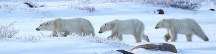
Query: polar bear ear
105,24
47,23
164,19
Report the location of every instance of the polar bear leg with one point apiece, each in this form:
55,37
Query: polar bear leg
201,35
145,37
65,34
137,37
120,37
167,37
173,36
189,37
54,34
198,30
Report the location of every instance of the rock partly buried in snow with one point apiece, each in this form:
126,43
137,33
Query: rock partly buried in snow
160,11
212,9
116,52
156,47
124,52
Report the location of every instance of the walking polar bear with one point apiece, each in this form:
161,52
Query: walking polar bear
185,26
79,26
130,26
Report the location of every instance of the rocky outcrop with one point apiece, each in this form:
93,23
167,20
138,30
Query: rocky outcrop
156,47
124,52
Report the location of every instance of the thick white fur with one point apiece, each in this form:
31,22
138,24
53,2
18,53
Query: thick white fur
130,26
79,26
185,26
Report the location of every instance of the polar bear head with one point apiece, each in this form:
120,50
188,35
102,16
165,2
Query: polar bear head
163,23
46,26
105,27
108,26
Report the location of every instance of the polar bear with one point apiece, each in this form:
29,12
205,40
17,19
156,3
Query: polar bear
78,26
130,26
185,26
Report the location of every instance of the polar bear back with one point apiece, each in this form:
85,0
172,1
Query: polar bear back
130,26
184,26
77,25
69,25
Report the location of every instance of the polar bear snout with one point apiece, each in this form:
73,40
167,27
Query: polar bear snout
37,29
156,27
100,32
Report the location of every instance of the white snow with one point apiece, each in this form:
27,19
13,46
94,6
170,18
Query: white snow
30,41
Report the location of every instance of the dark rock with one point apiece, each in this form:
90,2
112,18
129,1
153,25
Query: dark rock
212,9
160,11
30,5
124,52
156,47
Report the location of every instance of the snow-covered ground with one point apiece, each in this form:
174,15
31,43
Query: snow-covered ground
27,19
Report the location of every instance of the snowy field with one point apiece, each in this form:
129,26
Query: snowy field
30,41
